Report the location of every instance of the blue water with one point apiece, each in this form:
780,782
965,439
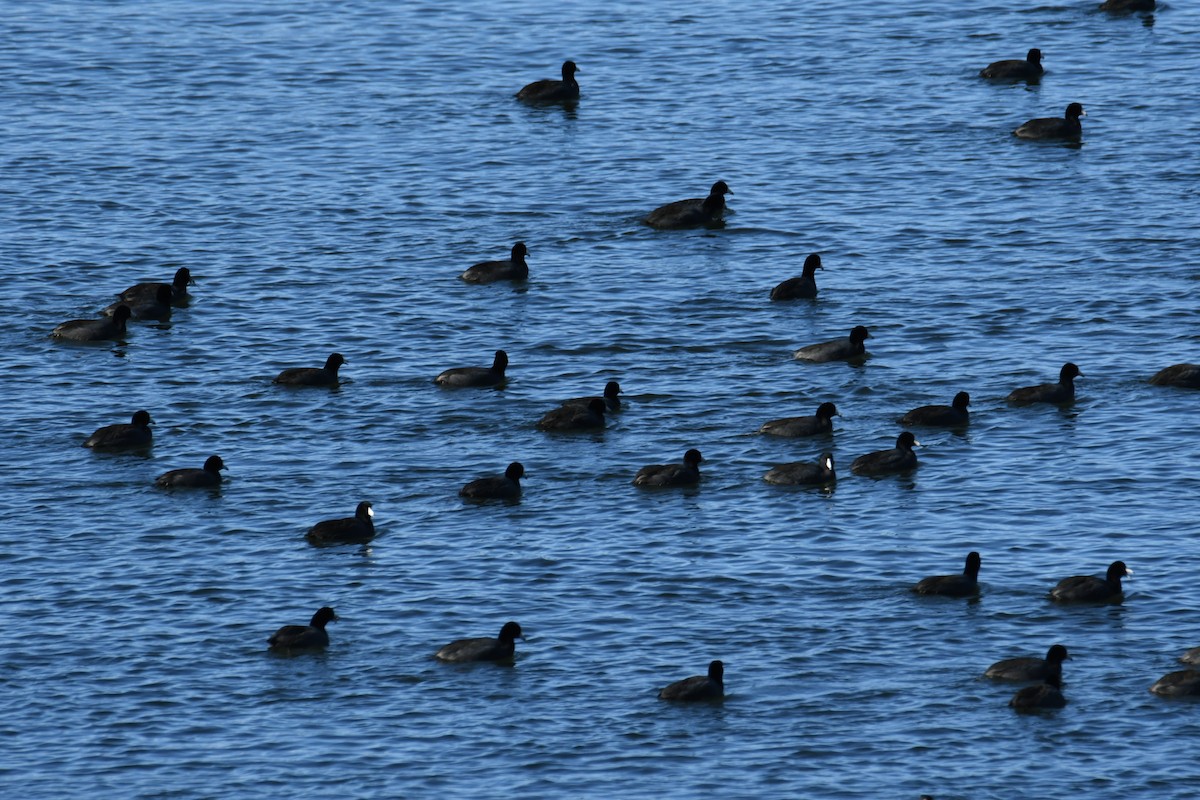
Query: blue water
326,171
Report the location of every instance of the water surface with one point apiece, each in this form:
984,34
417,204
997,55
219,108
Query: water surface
326,173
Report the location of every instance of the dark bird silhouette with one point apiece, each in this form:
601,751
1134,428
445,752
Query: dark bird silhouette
496,487
1058,394
350,530
1090,589
1064,127
685,474
483,648
136,433
513,268
1029,669
802,473
549,90
792,427
192,478
698,687
463,377
964,585
844,349
95,330
951,416
696,212
313,376
900,458
1016,69
802,287
304,637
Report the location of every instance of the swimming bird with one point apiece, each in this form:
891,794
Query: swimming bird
1185,376
951,416
135,433
313,376
685,474
94,330
483,648
1191,657
1064,127
802,473
192,478
901,458
1045,695
1090,589
157,306
792,427
1029,669
803,287
611,397
461,377
698,687
964,585
496,487
304,637
349,530
1184,683
145,292
512,269
843,349
1127,6
549,90
575,418
708,212
1016,69
1060,393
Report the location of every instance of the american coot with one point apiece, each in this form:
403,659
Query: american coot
157,306
1185,376
803,287
1060,393
850,347
192,478
1045,695
512,269
304,637
1184,683
1090,589
350,530
1015,69
965,585
693,213
698,687
141,293
1127,6
549,90
685,474
575,418
901,458
611,397
94,330
1064,127
461,377
802,473
496,487
819,423
951,416
1191,657
136,433
313,376
1029,669
483,648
